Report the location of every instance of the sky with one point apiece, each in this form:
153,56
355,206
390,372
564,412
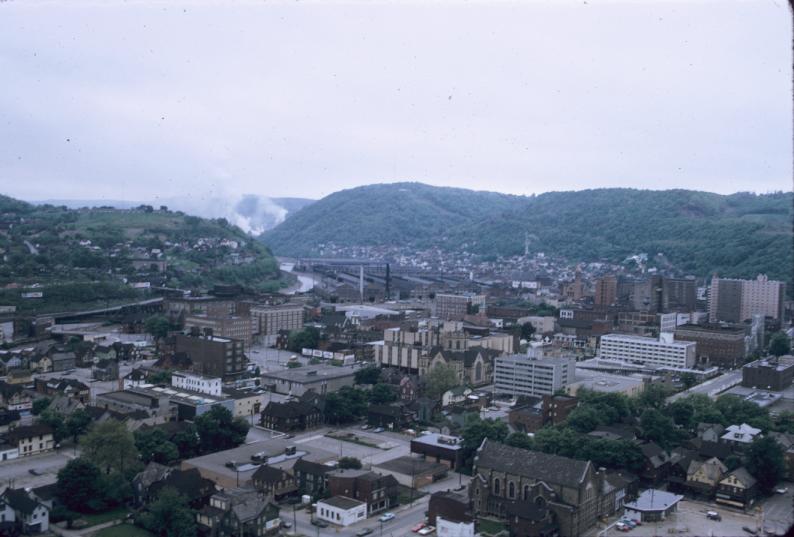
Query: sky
143,100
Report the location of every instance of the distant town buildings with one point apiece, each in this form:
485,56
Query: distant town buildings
523,375
733,300
664,351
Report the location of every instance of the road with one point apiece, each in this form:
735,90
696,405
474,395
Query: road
712,387
16,472
777,513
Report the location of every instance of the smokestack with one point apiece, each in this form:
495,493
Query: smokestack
361,282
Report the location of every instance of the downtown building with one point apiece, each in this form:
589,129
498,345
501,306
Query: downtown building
663,352
520,374
734,301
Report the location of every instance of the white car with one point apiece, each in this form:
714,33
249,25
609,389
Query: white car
427,530
782,490
386,517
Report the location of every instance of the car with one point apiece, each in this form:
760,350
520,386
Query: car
427,530
782,490
286,524
364,532
386,517
636,522
630,523
713,515
418,527
378,430
364,427
33,471
620,526
748,530
319,523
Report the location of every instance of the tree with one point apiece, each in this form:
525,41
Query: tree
346,405
779,344
653,396
160,377
78,485
308,338
54,420
158,326
765,462
187,442
440,379
584,419
526,331
349,463
110,446
520,440
169,515
367,375
153,445
475,431
39,405
219,430
77,423
382,393
688,380
657,427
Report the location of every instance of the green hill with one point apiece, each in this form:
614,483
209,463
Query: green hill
738,235
69,254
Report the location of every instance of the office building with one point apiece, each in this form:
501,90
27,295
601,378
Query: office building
733,300
720,345
213,356
770,373
270,320
323,379
185,380
455,307
523,375
228,326
664,351
606,291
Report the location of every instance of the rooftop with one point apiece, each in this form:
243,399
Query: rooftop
342,502
654,500
309,374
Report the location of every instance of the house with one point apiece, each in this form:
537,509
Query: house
27,514
653,506
8,419
710,432
680,459
153,473
393,417
740,436
14,397
31,439
379,492
408,389
341,510
155,477
455,396
656,463
63,361
575,491
291,416
449,513
273,482
236,512
311,477
413,472
737,489
703,477
69,387
41,363
105,370
135,378
19,376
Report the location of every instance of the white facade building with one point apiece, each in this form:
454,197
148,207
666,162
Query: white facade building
196,383
448,528
664,351
524,375
341,510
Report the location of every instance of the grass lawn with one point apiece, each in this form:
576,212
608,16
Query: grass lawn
107,516
123,530
490,527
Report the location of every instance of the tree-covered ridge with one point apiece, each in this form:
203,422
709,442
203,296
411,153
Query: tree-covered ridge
69,253
738,235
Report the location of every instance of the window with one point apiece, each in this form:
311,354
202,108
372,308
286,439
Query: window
511,490
496,486
526,492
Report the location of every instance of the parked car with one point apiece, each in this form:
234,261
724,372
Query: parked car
427,530
364,427
364,532
418,527
636,522
713,515
630,523
748,530
286,524
378,430
319,523
620,526
782,490
386,517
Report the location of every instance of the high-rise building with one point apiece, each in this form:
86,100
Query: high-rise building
228,326
734,300
213,356
606,291
664,351
679,294
520,374
269,320
455,307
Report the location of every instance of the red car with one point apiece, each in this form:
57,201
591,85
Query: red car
418,527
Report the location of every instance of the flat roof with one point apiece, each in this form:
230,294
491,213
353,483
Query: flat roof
654,500
342,502
408,465
309,374
438,440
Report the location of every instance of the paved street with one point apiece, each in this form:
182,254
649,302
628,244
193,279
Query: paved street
777,512
16,472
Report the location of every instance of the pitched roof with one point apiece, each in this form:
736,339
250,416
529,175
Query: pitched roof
290,409
309,467
269,474
20,501
742,475
27,431
533,464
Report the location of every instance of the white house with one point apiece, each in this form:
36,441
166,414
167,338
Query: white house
740,435
449,528
196,383
17,505
341,510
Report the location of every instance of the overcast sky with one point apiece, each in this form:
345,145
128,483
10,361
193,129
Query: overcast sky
137,100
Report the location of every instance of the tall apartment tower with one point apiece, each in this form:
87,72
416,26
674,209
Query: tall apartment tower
679,294
606,291
734,300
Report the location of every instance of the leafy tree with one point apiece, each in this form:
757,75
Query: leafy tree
688,380
293,365
158,326
736,410
367,375
39,405
110,446
54,420
475,431
169,516
440,379
187,442
682,411
520,440
382,393
779,344
77,423
77,486
765,462
653,396
153,445
349,463
308,338
611,407
656,427
345,406
219,430
584,419
160,377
